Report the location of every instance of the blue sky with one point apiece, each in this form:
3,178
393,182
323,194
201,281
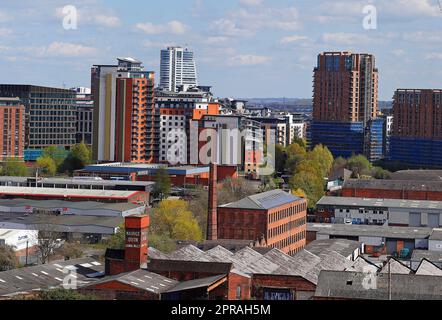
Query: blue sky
244,48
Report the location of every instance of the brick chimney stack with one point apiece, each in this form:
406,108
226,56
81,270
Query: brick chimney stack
135,252
212,218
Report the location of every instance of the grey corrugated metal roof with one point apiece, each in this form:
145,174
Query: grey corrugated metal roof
342,246
413,175
436,234
26,280
379,203
144,280
433,256
363,265
264,201
197,283
370,231
82,205
415,185
353,285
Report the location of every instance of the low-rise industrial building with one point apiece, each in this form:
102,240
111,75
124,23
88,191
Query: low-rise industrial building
110,196
22,241
376,239
418,189
394,212
179,175
93,183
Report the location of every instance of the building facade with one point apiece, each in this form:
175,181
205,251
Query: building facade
12,128
177,68
345,101
417,127
51,115
124,113
85,112
275,219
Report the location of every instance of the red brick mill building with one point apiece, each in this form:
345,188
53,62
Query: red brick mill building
274,219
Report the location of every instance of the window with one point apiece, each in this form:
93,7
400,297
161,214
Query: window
238,292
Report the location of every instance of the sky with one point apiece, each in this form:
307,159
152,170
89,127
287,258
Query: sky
244,48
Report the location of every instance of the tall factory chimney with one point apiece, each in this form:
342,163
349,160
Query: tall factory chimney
212,216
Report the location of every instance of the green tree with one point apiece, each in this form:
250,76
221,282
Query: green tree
71,250
161,189
46,166
78,158
14,167
339,163
311,184
359,165
380,173
173,219
117,240
323,157
56,154
8,259
162,242
295,155
281,158
62,294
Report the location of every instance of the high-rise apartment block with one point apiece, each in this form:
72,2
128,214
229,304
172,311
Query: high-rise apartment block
177,68
417,127
345,103
124,113
12,128
51,114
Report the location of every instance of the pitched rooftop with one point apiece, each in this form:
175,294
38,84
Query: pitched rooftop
263,201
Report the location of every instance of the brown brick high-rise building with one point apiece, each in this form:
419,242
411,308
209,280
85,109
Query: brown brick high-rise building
345,104
345,87
12,128
417,127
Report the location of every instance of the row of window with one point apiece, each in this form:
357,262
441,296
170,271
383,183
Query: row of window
286,227
293,239
282,214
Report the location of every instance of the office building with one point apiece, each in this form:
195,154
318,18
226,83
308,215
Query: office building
124,114
51,115
345,102
12,128
177,68
85,113
417,129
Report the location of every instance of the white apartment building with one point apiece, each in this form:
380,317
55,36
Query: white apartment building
177,68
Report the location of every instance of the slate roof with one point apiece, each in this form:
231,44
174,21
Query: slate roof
248,261
396,267
415,185
363,265
353,285
436,234
143,280
433,256
428,268
263,201
197,283
27,280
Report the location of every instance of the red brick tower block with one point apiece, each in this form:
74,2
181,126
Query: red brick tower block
135,253
212,225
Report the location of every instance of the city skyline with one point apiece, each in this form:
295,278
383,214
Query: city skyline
240,45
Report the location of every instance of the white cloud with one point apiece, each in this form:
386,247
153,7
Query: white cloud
398,52
88,16
251,3
5,32
69,49
226,27
343,38
173,27
434,56
423,36
294,38
412,8
4,17
249,60
217,40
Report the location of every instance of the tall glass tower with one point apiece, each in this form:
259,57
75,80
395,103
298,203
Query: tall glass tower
177,68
